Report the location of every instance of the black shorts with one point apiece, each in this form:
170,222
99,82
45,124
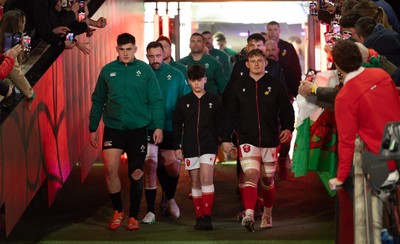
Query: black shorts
127,140
168,140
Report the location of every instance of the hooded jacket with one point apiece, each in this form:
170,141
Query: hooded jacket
385,42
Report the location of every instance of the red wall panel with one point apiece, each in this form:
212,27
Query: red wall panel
47,142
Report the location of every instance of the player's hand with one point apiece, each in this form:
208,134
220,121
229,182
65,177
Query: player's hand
158,136
94,139
179,154
227,147
285,136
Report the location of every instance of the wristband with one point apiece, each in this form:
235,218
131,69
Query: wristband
314,89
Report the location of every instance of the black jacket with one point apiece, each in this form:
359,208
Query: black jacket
240,69
258,111
38,20
200,121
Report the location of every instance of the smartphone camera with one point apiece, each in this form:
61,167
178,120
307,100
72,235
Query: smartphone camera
81,11
313,9
27,43
335,27
69,37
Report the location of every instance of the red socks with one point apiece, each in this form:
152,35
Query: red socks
249,195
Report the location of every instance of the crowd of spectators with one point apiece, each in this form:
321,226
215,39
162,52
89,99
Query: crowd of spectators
25,23
374,25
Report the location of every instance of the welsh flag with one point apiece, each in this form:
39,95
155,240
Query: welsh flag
316,141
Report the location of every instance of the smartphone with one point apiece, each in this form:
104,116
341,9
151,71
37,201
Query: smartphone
64,3
81,11
335,27
11,39
27,43
313,9
69,37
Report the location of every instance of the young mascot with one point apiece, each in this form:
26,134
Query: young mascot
199,119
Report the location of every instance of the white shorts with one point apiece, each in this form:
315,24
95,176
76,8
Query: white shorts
194,163
167,156
251,156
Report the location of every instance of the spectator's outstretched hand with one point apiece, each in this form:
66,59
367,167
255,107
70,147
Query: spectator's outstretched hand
101,22
334,182
61,30
90,31
13,52
83,47
305,88
75,8
69,45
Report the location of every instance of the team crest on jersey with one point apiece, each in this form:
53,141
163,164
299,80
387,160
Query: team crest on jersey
268,91
243,90
107,143
246,148
113,74
187,105
206,65
169,77
138,73
187,162
142,148
210,105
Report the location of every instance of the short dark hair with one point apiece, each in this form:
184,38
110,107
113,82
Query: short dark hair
196,72
364,26
256,37
164,38
197,34
273,23
254,53
346,55
206,32
125,38
349,20
154,45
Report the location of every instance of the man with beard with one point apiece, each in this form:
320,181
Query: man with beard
166,43
292,83
287,53
216,80
173,86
